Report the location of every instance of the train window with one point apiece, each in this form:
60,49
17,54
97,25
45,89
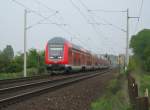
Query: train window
56,51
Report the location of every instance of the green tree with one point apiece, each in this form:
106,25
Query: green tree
32,58
16,64
140,44
41,62
2,62
9,52
6,56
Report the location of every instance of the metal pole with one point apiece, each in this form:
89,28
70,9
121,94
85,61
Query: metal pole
25,43
127,41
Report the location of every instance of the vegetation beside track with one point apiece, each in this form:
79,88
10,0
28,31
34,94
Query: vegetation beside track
11,66
140,44
142,77
30,71
116,97
9,75
139,65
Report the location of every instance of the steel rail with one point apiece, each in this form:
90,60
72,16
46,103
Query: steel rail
16,80
5,81
50,86
24,86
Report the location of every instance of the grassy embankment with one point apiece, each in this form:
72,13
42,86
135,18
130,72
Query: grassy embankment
116,97
142,77
30,72
119,100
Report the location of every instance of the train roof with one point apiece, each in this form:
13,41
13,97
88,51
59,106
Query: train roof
57,40
61,40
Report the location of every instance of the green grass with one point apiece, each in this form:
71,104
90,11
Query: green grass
142,77
102,104
145,83
115,98
111,102
30,72
10,75
143,80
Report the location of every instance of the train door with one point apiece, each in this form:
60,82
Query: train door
74,58
70,56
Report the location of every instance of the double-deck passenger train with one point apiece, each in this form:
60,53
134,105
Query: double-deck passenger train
61,54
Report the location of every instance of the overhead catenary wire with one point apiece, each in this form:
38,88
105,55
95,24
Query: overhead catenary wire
87,21
50,9
107,11
81,13
37,1
39,14
40,21
107,22
45,18
139,15
30,10
93,26
85,17
102,10
61,18
92,18
140,12
60,25
95,22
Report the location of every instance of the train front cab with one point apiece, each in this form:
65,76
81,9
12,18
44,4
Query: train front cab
56,56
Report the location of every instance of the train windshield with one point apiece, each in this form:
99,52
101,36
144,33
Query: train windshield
55,51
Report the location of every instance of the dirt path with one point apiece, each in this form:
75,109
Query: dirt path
74,97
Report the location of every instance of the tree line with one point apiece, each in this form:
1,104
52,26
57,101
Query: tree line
140,44
10,63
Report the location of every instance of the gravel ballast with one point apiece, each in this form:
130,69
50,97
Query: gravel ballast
77,96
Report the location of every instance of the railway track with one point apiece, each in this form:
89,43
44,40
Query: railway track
23,79
14,94
26,80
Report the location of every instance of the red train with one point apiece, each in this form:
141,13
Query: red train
60,54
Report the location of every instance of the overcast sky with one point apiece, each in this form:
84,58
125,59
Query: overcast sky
98,36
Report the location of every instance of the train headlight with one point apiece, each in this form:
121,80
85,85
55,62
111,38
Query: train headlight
60,57
51,57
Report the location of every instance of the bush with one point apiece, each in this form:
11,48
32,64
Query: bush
144,83
35,71
140,44
32,71
41,69
10,75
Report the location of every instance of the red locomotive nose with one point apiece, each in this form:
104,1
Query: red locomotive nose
55,62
